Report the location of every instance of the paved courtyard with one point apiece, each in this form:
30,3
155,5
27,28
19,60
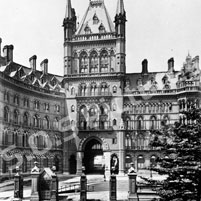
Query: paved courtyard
98,188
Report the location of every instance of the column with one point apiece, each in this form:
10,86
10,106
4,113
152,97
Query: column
35,172
121,153
79,162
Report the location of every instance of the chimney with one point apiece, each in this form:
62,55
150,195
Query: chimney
8,52
196,62
0,46
171,65
44,66
32,62
145,66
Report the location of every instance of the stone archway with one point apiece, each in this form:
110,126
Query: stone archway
93,156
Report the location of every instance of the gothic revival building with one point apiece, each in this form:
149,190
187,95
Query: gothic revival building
96,115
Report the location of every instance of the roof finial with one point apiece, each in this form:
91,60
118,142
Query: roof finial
68,9
120,7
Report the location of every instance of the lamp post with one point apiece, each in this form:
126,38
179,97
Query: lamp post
151,169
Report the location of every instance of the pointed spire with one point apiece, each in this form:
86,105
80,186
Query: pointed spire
120,7
68,10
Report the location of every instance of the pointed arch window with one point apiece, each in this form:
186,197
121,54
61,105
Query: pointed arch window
87,29
104,62
101,28
16,117
93,62
46,123
95,19
83,62
36,121
153,123
26,119
6,114
140,123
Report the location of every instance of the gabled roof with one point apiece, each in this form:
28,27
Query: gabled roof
96,9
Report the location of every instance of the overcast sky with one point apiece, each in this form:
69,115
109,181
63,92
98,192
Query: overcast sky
156,30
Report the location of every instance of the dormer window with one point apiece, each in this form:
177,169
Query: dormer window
87,29
95,19
101,28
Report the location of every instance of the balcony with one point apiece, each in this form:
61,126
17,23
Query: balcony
138,148
95,94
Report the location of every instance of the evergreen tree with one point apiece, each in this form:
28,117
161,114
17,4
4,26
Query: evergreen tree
181,161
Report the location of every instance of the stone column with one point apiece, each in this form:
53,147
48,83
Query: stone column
113,188
35,172
83,186
132,193
79,162
54,190
18,186
121,153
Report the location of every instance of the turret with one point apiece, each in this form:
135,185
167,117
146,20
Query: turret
120,20
120,29
69,25
69,22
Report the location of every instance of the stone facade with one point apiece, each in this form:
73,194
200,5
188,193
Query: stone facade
96,115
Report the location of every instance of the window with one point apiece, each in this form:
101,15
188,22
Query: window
6,114
46,123
95,19
72,108
87,29
72,91
26,102
104,62
101,28
114,122
93,62
36,105
114,107
26,119
36,121
6,96
153,123
114,89
140,162
46,106
114,140
140,123
56,123
16,117
16,100
83,62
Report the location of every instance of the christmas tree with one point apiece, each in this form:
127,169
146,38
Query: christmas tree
181,160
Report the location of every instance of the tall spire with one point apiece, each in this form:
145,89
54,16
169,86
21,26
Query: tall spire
68,10
120,7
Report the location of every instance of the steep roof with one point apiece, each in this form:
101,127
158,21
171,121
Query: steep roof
96,10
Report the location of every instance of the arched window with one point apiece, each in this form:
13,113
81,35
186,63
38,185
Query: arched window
93,89
140,123
153,161
83,62
56,123
26,119
83,89
72,108
153,122
114,122
104,89
6,114
16,117
93,62
114,89
36,121
104,61
140,162
72,91
82,117
46,123
103,118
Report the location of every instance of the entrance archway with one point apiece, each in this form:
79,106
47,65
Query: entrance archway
93,157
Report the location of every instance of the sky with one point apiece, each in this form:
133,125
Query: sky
156,30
